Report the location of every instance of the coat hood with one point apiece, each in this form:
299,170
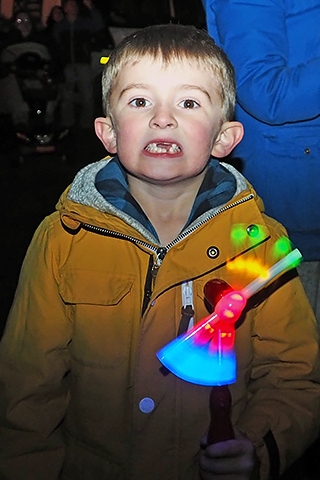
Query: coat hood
82,202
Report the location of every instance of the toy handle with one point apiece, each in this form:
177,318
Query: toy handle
220,427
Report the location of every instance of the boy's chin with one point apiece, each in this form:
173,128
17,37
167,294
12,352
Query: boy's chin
167,180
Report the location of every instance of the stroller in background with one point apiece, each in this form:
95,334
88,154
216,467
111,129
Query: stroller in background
30,66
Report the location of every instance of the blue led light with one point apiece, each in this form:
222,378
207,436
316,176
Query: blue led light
196,364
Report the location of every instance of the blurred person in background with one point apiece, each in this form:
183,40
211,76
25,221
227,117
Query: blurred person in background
56,15
75,36
102,37
25,36
141,13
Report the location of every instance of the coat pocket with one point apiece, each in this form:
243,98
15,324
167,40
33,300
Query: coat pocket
96,288
301,145
103,308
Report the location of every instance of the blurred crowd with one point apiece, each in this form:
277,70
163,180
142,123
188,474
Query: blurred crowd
73,30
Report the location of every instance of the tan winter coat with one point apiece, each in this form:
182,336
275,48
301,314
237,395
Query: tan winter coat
78,356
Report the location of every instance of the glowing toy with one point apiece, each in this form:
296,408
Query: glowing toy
205,354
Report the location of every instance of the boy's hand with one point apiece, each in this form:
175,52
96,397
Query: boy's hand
230,460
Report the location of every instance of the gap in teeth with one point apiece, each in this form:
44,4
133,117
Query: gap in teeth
154,148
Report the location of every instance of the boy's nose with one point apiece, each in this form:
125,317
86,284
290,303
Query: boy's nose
163,118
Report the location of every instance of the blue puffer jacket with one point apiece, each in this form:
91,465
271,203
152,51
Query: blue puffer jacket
274,46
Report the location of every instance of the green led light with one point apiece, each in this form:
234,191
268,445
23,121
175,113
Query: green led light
282,246
238,233
253,231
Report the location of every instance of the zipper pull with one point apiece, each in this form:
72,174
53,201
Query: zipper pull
161,253
154,265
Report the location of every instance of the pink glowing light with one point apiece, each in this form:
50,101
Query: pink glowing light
205,354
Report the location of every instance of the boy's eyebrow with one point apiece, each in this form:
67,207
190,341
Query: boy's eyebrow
131,86
145,86
196,87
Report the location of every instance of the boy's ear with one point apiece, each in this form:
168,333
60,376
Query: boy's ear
230,135
105,132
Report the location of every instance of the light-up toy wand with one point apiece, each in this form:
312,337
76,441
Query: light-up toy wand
205,354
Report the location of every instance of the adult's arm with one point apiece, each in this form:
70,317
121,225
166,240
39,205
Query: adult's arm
272,86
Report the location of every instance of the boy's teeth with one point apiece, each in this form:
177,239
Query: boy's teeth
163,148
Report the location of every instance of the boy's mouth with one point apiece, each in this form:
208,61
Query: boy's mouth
163,147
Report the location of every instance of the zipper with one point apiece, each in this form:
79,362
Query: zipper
111,233
154,265
154,261
188,231
160,252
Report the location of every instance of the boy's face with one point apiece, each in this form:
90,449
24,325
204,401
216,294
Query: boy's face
165,120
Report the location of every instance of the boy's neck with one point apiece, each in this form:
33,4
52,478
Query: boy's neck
167,207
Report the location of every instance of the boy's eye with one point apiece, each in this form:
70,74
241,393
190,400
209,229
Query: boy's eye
140,102
189,104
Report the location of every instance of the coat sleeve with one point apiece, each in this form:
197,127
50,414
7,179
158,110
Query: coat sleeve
34,366
283,411
272,86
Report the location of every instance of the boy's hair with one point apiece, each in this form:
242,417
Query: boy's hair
172,43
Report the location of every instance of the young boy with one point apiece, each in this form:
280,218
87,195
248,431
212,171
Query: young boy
109,277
